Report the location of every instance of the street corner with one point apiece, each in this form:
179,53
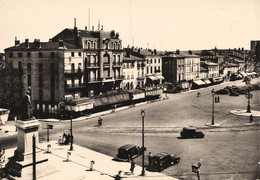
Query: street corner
243,112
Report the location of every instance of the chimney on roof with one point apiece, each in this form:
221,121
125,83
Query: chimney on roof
98,24
102,27
190,52
75,23
155,52
92,28
26,43
86,28
37,43
112,33
61,43
178,51
16,42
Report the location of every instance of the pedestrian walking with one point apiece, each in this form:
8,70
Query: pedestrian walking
150,159
198,94
251,118
100,121
118,176
218,99
132,168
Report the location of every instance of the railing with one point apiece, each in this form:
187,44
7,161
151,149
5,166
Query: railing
93,79
117,63
119,77
72,71
75,85
92,64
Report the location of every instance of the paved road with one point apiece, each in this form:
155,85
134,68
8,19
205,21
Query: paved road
222,152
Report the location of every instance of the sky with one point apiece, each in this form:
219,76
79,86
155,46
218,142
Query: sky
155,24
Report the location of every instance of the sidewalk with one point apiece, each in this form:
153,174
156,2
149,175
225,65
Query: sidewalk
78,166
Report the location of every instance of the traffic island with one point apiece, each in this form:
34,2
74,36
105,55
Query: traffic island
243,112
212,125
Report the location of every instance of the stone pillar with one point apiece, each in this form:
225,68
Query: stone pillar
26,130
23,155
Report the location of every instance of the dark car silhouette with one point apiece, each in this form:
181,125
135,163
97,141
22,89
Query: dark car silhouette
129,151
189,132
161,161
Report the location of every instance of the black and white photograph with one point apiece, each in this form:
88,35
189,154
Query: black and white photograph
130,89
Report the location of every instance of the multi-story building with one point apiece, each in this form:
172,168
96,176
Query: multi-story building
181,68
152,68
229,69
73,64
212,68
102,56
134,74
41,65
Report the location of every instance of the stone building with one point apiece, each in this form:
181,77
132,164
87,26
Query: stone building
181,68
134,74
74,64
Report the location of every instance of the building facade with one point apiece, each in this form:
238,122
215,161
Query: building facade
181,68
73,64
134,74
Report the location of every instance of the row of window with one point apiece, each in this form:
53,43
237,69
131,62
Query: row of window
151,61
29,54
156,70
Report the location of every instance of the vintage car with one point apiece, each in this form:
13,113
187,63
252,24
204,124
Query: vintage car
189,132
222,91
129,151
161,161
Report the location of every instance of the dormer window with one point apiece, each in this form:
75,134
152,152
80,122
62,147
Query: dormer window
114,45
88,45
118,46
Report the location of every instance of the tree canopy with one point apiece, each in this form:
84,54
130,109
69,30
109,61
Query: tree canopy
11,88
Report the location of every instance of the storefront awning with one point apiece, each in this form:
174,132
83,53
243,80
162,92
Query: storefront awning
111,99
153,78
243,74
207,81
159,76
79,104
199,82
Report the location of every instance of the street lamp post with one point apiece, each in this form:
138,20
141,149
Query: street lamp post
248,96
143,114
71,135
213,94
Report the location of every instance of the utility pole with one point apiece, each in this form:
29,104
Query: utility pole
34,158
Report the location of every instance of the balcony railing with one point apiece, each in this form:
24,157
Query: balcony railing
92,64
75,85
117,63
93,79
119,77
72,71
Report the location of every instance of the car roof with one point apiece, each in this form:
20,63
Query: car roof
189,128
127,146
161,154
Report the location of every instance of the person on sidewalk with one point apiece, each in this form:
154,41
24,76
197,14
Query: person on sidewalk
251,118
150,159
118,176
132,168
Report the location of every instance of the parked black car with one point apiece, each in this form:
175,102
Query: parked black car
129,151
162,161
233,93
189,132
222,91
